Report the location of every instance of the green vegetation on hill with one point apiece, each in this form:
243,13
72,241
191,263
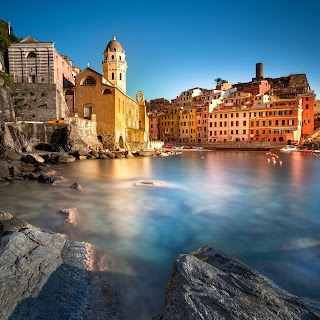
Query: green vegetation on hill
5,38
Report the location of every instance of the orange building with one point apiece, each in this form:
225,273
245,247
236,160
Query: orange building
278,122
308,114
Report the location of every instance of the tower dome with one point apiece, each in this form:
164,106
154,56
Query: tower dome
114,46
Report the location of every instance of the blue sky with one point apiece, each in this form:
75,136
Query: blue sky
172,46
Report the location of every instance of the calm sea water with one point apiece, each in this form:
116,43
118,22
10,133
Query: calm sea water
263,213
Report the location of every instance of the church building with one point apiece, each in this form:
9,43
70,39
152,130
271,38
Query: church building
122,122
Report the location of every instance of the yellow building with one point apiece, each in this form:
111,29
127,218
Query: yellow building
169,125
187,125
122,122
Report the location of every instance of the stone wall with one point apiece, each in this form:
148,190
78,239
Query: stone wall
6,110
34,101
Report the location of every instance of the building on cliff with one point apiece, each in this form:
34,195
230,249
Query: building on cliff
122,122
40,74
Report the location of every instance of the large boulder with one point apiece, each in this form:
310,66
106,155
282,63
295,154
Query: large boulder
43,276
208,284
11,155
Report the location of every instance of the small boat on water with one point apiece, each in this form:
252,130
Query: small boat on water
289,148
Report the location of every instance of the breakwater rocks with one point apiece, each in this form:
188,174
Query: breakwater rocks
45,276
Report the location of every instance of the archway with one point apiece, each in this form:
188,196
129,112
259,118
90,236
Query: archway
121,143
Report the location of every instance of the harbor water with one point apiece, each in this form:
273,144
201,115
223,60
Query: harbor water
142,212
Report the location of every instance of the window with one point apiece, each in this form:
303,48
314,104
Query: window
237,115
112,57
112,76
283,122
31,54
276,123
32,78
244,123
87,112
106,91
89,81
244,131
307,106
120,76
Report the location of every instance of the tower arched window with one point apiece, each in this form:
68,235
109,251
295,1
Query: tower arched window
120,58
112,76
112,57
120,76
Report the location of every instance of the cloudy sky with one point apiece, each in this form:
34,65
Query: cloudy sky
172,46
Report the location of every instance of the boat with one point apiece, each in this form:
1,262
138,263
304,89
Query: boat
289,148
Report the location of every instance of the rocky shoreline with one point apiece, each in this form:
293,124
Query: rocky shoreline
36,165
46,276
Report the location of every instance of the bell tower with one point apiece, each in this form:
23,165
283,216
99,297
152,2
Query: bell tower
114,64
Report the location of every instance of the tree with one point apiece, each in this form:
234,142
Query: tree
218,81
6,37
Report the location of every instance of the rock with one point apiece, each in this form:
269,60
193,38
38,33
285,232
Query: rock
33,158
65,158
94,154
9,223
45,178
76,186
71,216
44,276
4,169
208,284
15,172
11,154
129,155
82,151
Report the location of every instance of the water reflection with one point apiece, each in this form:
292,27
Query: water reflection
235,201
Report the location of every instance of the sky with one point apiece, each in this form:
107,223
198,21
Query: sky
172,46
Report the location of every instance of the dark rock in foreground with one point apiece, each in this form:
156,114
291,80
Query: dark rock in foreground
208,284
44,276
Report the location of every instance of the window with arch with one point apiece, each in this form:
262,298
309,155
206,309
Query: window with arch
31,54
106,91
112,76
89,81
120,75
120,58
112,57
